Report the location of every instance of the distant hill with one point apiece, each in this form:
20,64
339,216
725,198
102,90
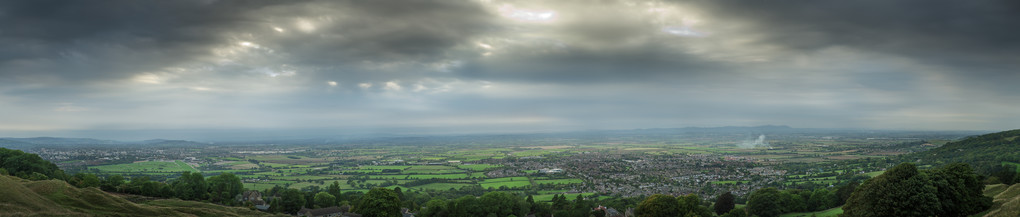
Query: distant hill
983,152
13,144
35,142
64,141
164,142
57,198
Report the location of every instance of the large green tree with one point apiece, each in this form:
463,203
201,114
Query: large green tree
379,202
191,186
324,199
658,205
724,203
291,201
435,208
765,202
223,187
960,190
690,205
901,191
503,204
822,199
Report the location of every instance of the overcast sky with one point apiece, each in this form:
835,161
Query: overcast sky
506,66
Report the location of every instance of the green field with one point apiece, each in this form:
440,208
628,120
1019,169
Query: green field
477,167
509,182
1015,165
440,186
147,167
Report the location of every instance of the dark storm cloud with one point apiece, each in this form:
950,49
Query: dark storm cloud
355,31
914,27
496,64
974,39
95,40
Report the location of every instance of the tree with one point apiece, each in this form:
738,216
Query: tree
724,203
191,186
691,205
379,202
85,180
844,192
741,212
21,164
764,202
274,206
560,202
113,183
900,191
502,204
291,201
435,208
821,199
465,206
223,187
658,205
324,199
334,189
960,190
137,183
793,200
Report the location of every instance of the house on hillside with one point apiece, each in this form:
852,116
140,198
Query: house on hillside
255,197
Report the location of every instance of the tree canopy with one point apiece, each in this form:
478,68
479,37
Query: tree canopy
952,190
379,202
658,205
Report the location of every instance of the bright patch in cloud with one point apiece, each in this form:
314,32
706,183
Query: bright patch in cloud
305,26
682,31
332,83
148,78
512,12
393,86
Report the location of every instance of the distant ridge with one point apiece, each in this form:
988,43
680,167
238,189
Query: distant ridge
64,141
982,152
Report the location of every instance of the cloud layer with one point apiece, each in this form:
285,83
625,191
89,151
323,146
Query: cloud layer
506,65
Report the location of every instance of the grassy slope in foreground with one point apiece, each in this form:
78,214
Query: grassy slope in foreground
1006,200
57,198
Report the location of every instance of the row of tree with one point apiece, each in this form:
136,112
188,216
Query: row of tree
219,189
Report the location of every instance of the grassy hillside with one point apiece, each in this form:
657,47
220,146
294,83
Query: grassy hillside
1006,201
980,151
57,198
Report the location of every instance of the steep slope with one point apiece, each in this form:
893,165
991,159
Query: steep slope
57,198
1006,199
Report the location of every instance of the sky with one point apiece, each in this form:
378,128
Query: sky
111,68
